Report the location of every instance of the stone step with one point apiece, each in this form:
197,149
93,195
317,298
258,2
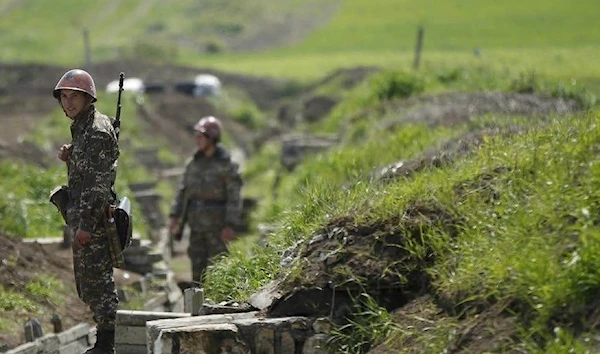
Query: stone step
242,332
130,334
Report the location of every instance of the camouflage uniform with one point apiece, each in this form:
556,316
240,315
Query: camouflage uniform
212,187
91,173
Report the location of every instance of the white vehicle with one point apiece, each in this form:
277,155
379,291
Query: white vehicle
133,84
207,85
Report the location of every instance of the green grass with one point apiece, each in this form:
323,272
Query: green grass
11,301
451,25
559,63
46,288
135,28
528,234
557,39
25,208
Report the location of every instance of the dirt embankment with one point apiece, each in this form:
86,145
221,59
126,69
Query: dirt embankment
22,266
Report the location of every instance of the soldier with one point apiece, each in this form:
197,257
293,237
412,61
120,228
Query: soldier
208,198
91,168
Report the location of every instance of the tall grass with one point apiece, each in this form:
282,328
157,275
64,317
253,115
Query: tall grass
25,207
526,207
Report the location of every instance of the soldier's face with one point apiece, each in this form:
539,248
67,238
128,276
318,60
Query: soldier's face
73,102
202,142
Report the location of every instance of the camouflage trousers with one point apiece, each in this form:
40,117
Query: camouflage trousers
95,282
204,245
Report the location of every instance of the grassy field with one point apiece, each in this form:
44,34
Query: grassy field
391,25
158,30
556,38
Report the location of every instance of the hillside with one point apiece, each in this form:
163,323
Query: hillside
449,209
163,31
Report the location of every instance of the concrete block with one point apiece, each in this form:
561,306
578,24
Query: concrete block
92,336
241,335
130,349
193,300
74,334
139,318
77,347
131,335
28,348
155,329
49,344
215,338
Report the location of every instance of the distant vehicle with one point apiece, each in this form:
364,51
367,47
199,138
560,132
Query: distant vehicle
133,84
206,85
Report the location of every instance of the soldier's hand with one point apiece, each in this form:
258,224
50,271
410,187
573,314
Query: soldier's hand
82,238
227,234
63,153
174,227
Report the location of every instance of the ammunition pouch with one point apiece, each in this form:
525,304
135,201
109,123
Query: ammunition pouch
118,225
117,221
60,197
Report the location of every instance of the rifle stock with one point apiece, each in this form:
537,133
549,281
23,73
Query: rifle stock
178,236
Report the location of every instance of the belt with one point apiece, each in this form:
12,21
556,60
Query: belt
197,203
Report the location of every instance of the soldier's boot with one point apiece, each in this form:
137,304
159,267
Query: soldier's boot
105,343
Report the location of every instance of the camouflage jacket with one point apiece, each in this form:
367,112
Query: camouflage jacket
211,179
91,168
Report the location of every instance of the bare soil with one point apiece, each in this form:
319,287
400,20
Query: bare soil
20,264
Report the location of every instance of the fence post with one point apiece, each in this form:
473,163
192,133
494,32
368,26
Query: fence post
419,47
33,330
86,48
193,300
56,323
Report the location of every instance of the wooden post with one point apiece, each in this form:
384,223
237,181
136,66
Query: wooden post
56,323
33,330
86,48
419,47
193,300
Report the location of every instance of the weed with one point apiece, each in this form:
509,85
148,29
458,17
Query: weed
368,324
45,288
16,303
393,85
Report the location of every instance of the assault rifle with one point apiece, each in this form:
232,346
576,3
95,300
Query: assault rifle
120,214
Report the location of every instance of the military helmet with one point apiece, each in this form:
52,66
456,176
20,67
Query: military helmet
210,127
78,80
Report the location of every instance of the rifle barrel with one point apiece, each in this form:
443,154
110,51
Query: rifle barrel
117,123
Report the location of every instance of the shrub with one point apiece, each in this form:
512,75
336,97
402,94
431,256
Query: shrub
388,86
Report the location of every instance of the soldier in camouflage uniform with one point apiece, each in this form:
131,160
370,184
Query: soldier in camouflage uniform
208,198
91,166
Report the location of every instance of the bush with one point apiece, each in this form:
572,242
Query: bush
388,86
249,116
25,208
